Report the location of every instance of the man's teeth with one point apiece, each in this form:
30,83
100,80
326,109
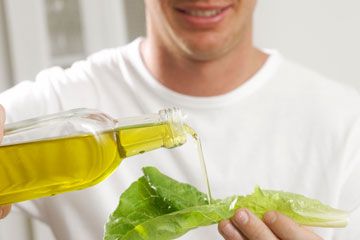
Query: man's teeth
203,13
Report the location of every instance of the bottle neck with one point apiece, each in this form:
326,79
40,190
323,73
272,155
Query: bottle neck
149,132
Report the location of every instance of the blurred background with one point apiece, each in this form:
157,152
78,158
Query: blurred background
35,34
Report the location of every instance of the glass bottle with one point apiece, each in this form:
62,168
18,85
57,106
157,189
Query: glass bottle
76,149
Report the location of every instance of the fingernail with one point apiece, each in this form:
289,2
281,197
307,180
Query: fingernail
270,217
242,217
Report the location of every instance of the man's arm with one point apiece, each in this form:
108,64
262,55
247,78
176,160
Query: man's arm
4,210
246,226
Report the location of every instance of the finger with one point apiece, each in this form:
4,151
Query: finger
4,210
2,112
251,226
285,228
228,231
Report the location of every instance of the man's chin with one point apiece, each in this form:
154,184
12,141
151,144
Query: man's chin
205,49
207,53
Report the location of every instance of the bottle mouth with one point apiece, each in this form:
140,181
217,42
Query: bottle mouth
176,119
173,115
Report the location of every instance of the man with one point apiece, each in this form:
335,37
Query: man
263,120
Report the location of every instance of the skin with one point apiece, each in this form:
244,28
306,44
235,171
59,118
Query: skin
186,58
210,61
246,226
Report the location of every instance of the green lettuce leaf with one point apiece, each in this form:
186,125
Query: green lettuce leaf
158,207
303,210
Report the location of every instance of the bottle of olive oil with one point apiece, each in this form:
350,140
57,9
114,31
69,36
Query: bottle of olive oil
76,149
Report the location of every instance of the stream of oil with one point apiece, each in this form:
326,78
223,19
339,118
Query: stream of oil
205,176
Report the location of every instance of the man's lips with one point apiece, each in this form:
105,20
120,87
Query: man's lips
203,11
203,17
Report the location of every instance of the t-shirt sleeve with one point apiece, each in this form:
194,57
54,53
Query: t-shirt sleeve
29,99
54,89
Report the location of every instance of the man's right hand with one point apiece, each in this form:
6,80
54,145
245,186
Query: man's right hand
4,210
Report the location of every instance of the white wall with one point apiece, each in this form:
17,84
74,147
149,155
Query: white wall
321,34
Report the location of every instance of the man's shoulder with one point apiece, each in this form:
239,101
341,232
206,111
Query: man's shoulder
98,63
109,55
306,80
300,87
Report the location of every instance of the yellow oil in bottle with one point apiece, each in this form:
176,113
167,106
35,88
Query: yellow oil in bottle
32,170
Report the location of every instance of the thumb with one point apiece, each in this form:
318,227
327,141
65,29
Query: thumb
4,210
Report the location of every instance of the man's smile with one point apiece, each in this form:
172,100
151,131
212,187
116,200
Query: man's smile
202,16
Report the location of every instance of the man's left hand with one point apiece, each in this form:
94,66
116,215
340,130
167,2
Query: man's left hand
244,225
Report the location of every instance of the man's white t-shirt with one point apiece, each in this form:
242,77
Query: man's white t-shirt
287,128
